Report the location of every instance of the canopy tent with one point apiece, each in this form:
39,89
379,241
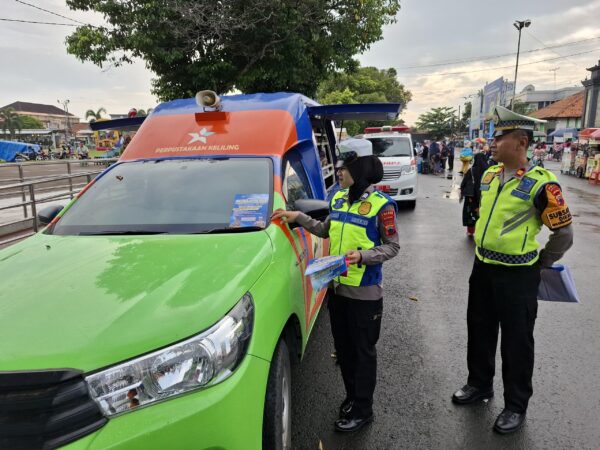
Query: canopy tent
587,133
560,132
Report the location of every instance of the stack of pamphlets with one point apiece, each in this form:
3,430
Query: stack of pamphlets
557,285
323,270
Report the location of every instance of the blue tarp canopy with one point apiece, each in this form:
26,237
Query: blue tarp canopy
9,149
364,111
560,132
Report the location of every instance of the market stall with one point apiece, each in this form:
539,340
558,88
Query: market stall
585,161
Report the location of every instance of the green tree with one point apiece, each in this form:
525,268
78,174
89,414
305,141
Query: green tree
11,121
363,85
31,123
438,121
95,115
249,45
521,108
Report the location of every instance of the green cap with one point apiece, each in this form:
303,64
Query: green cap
506,121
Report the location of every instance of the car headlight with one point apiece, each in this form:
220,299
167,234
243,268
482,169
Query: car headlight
201,361
407,170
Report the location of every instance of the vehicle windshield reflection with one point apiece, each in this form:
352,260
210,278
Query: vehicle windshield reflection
177,196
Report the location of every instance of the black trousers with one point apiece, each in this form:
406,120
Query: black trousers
451,163
505,298
355,325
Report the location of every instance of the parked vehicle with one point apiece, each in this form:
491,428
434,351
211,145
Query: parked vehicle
393,145
188,304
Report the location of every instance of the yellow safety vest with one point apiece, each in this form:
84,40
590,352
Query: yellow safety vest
509,222
354,227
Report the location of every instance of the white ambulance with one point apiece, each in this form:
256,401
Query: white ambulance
393,145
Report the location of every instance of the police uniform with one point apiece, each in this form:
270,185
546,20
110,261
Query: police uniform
356,304
506,274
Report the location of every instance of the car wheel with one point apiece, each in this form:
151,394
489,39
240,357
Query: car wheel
277,420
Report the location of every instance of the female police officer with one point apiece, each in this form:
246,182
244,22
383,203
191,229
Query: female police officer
361,225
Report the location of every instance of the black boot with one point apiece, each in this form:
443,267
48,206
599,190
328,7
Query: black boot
346,408
469,394
509,421
354,424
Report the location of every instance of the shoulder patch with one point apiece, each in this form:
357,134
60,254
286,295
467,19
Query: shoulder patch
557,214
488,177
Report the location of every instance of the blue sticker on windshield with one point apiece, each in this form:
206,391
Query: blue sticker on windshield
249,210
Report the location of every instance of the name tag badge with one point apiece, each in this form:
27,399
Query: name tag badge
519,194
485,187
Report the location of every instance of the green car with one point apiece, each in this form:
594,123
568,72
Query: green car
165,308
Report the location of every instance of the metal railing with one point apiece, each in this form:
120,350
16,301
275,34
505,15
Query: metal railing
31,192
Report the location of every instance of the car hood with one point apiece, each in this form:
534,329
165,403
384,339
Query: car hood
89,302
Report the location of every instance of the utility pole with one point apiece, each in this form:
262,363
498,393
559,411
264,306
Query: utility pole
65,104
519,25
554,70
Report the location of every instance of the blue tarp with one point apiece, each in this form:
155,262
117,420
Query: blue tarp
561,132
9,149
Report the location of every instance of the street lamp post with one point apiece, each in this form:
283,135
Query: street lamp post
65,104
519,25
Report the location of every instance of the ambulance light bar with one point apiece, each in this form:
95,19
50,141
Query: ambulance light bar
387,128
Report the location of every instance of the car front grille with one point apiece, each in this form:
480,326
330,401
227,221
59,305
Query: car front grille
45,409
390,175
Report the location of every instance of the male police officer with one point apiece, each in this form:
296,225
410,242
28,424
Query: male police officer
362,226
516,199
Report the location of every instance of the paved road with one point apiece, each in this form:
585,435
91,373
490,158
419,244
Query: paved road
422,349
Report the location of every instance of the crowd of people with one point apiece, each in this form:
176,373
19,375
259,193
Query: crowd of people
433,156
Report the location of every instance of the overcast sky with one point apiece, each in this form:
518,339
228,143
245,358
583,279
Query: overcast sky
36,67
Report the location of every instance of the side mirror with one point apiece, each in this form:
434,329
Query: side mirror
47,214
317,209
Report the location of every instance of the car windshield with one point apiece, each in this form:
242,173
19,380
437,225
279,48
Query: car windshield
391,146
174,196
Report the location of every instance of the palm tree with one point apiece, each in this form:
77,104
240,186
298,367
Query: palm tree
95,115
11,121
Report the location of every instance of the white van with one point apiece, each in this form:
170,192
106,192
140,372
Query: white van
393,145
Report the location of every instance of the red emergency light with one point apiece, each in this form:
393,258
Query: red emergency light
396,128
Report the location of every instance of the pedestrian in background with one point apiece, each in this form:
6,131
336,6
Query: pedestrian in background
434,157
470,191
516,199
425,154
451,147
362,226
443,156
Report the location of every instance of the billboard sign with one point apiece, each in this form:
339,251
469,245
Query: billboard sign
492,96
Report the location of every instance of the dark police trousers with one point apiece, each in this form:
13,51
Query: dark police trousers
504,297
355,325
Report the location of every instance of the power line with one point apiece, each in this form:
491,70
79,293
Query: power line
37,22
51,12
504,55
511,66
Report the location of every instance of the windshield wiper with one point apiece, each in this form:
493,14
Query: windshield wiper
230,230
120,233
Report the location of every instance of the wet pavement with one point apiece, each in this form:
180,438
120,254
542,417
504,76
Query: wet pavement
422,349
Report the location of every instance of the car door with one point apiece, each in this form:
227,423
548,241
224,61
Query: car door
296,186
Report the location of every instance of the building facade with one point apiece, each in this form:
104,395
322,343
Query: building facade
591,107
534,99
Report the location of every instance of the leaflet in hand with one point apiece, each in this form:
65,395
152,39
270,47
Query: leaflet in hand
323,270
557,285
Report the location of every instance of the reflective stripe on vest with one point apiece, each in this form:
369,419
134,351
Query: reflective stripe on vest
355,227
509,222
